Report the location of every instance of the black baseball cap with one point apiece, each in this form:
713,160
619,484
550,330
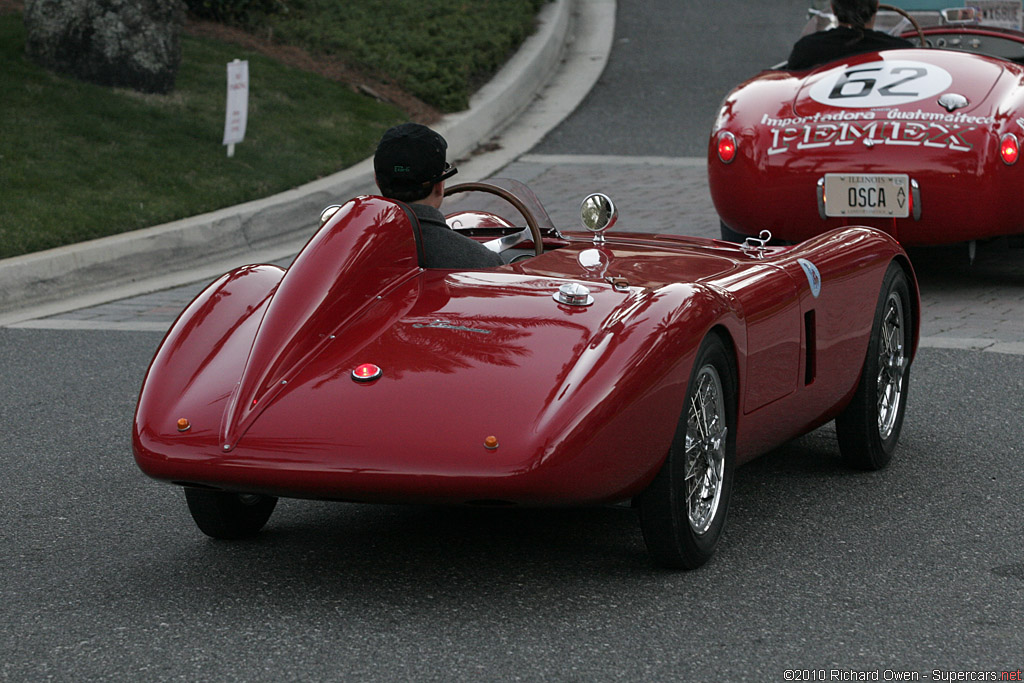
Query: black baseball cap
410,157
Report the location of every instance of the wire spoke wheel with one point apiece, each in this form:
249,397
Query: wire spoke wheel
683,511
892,364
869,428
705,449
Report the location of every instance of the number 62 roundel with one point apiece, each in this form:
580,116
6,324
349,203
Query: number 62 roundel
880,84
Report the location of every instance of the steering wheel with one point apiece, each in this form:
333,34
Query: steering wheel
912,20
503,243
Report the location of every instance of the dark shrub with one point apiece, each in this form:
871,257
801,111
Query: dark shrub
245,13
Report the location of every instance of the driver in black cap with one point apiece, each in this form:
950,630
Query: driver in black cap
409,166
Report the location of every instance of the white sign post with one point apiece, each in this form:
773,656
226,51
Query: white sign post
237,110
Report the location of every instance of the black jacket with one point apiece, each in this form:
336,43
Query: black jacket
445,248
826,46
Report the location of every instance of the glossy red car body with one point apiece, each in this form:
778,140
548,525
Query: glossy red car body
581,402
936,118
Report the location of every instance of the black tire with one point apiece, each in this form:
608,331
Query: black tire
682,532
869,428
220,514
730,235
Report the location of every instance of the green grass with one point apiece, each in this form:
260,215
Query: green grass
79,161
438,50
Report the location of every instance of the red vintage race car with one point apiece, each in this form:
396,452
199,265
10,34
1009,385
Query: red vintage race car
923,143
593,368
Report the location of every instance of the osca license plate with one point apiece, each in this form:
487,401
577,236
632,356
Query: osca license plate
867,195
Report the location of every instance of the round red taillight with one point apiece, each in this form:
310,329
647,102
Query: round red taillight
1009,149
726,147
367,372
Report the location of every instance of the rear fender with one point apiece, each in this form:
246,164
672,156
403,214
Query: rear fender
203,353
236,342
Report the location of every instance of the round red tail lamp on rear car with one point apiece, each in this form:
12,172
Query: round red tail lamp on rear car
726,147
367,372
1009,149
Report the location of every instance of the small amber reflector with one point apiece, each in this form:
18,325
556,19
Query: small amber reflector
367,372
491,443
1009,150
726,147
183,424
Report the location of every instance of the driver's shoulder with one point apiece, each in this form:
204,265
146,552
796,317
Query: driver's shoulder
888,40
426,212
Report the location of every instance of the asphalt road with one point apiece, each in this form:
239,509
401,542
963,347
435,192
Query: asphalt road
914,568
672,63
918,568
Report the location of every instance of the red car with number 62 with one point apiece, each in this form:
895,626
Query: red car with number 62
922,143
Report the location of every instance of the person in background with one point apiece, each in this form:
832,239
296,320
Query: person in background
854,34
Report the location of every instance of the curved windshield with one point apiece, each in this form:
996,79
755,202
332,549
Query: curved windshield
1000,14
486,202
987,27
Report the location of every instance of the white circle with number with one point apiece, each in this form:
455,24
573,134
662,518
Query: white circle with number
885,83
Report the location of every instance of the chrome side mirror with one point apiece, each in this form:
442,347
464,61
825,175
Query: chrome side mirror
598,213
328,213
819,20
960,15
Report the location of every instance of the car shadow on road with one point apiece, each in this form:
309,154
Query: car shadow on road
434,545
950,267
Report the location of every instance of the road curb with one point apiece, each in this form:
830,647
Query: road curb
59,279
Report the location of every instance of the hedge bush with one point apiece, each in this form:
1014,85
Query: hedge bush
244,13
441,51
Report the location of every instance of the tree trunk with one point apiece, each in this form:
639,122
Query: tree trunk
124,43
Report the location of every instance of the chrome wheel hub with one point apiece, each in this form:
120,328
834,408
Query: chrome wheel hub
892,365
706,433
